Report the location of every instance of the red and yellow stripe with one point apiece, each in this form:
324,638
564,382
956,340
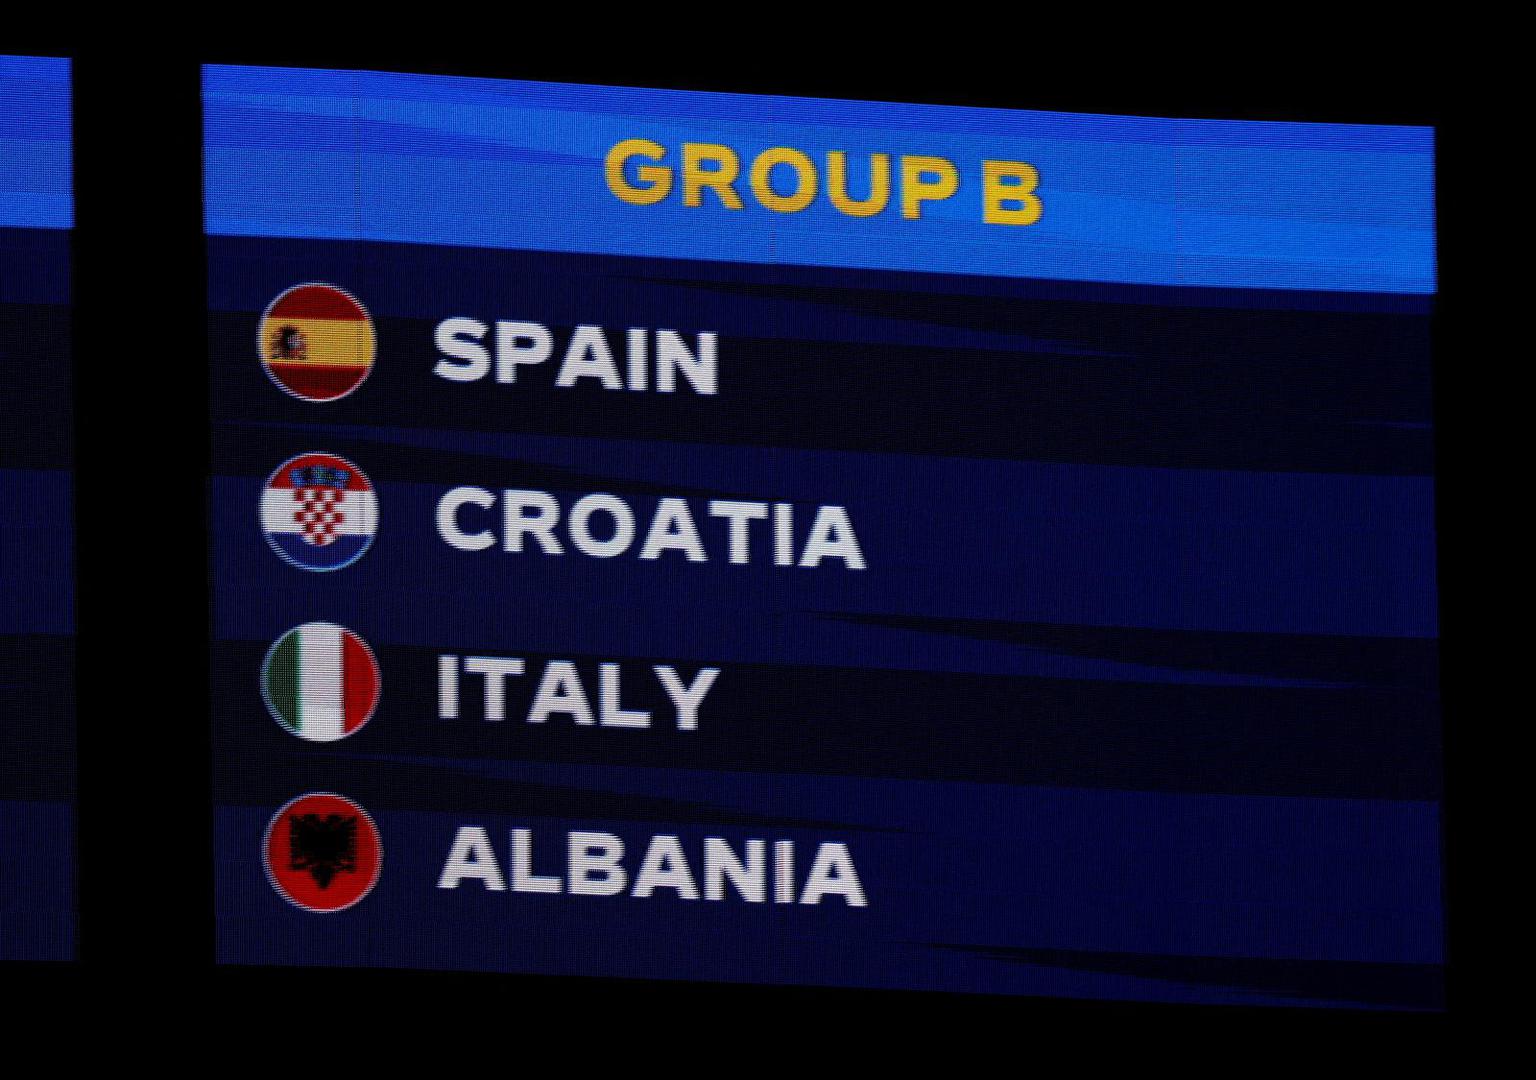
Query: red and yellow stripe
338,343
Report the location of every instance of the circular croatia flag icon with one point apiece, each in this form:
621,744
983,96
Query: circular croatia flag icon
319,512
322,852
320,681
316,342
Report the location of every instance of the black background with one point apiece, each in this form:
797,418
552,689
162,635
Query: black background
145,875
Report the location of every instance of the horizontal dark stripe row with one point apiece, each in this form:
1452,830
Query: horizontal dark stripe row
245,268
1406,663
37,735
387,785
248,450
870,361
1018,541
1333,413
36,397
35,266
1370,741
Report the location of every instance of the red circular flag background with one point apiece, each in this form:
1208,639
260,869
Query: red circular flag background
322,852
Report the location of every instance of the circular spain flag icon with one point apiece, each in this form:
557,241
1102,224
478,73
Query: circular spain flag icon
320,681
319,512
316,342
322,852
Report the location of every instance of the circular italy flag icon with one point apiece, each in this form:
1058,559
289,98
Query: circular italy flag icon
319,512
320,681
322,852
316,342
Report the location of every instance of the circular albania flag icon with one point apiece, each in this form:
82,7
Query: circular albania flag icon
322,852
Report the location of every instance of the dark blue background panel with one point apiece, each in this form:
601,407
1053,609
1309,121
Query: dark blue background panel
37,549
1129,689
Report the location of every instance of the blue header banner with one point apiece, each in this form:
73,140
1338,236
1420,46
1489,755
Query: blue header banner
34,143
754,179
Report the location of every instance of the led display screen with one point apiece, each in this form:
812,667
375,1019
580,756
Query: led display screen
37,653
700,536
